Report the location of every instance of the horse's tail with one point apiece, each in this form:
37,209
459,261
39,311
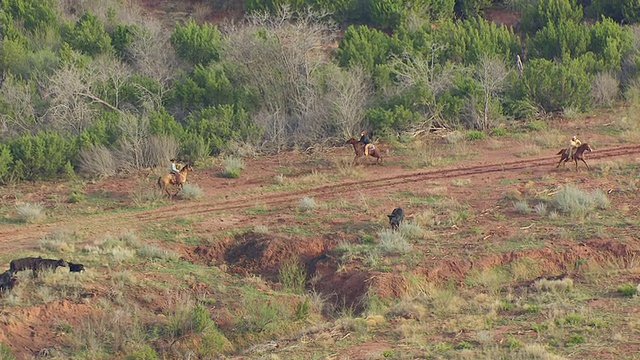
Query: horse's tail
560,152
159,182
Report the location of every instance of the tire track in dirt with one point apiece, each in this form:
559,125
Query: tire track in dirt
14,237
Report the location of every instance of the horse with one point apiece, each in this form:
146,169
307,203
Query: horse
578,155
358,147
169,179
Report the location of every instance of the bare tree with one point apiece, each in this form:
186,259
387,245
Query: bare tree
491,73
350,91
70,96
130,153
114,73
19,115
153,56
280,54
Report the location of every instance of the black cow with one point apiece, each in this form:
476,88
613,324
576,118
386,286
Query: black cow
7,280
48,264
75,267
28,263
396,217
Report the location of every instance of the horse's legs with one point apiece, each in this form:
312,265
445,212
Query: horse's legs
588,168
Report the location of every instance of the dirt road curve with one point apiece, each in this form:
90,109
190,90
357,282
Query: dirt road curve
20,235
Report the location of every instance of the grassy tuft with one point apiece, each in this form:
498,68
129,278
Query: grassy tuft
191,192
232,167
292,275
575,202
627,289
307,204
393,242
30,212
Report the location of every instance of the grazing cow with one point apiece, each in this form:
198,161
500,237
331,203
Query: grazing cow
75,267
396,217
7,280
28,263
48,264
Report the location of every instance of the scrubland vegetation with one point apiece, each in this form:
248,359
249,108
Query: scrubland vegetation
93,90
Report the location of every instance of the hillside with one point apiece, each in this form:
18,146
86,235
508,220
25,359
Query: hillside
463,279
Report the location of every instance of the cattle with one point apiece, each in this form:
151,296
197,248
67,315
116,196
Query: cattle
48,264
35,264
27,263
396,217
7,280
75,267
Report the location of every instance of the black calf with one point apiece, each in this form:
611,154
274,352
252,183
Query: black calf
75,267
396,217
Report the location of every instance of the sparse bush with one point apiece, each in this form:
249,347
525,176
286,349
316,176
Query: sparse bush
154,252
576,202
307,204
96,161
58,242
540,209
627,289
30,212
393,242
191,192
411,230
145,195
279,179
142,352
454,137
563,285
232,166
522,207
260,229
292,275
605,89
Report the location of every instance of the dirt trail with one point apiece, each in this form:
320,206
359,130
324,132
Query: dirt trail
16,236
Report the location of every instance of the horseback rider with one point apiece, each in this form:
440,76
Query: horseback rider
573,146
368,146
175,171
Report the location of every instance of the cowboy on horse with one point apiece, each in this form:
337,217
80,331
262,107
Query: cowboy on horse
174,171
573,145
368,146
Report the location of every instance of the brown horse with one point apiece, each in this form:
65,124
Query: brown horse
577,156
169,179
358,147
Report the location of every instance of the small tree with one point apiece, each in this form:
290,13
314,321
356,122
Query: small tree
491,73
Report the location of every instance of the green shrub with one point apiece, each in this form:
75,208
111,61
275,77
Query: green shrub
627,289
5,352
393,242
143,352
198,44
475,135
302,309
498,132
88,36
232,166
536,125
292,275
5,163
32,14
41,156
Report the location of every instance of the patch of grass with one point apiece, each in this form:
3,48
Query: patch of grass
555,286
627,289
307,204
58,241
473,135
30,212
393,242
461,182
498,132
575,202
232,166
76,196
5,352
292,275
191,192
153,252
536,125
522,207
